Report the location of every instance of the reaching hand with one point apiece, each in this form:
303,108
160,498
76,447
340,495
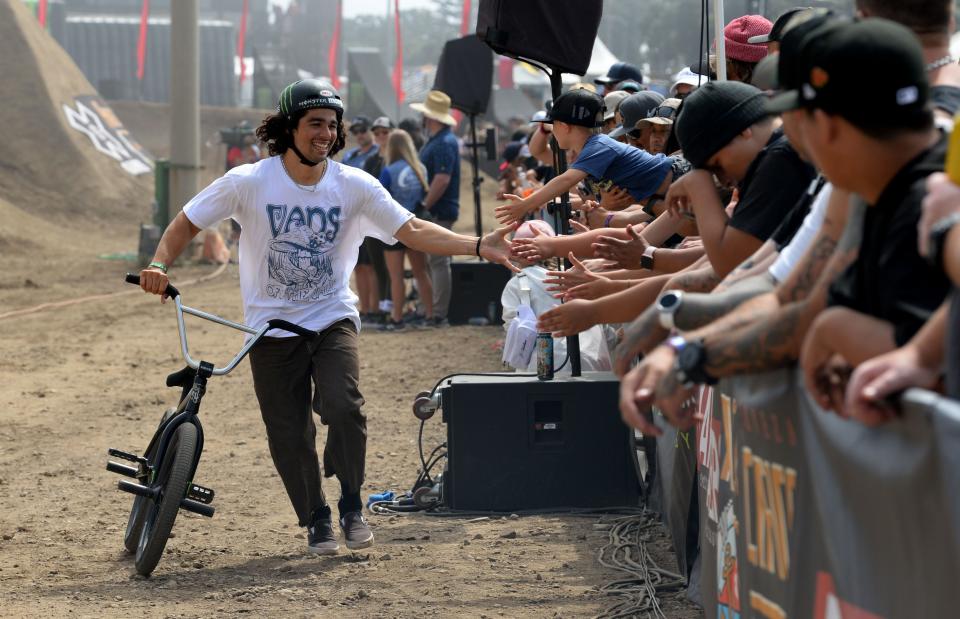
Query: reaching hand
512,212
568,319
626,253
876,380
600,287
615,198
494,247
562,281
639,336
654,381
578,228
535,249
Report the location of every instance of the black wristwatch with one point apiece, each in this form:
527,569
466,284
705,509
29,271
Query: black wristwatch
691,359
938,238
646,260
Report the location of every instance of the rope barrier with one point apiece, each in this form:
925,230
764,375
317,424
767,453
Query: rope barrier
97,297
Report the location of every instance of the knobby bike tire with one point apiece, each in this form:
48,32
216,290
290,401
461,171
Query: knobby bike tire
131,537
174,475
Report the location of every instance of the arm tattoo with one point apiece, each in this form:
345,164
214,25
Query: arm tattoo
814,261
699,310
701,280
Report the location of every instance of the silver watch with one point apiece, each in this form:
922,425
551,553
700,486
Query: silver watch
667,306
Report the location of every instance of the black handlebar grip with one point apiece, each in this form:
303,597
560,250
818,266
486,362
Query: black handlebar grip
135,280
292,328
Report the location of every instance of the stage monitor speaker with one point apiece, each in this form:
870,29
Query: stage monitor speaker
559,35
476,291
465,73
518,443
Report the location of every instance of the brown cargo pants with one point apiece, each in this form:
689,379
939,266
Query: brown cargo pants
284,371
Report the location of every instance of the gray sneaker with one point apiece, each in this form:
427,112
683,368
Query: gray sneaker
356,531
320,538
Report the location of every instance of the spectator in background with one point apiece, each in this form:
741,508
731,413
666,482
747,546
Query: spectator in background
932,21
743,56
685,82
617,73
630,87
441,157
772,39
658,125
632,110
406,180
368,286
414,129
611,105
381,128
365,148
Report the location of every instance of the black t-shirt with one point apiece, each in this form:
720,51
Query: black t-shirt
890,280
374,165
775,182
952,373
946,98
791,225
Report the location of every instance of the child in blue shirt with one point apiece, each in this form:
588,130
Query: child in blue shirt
602,161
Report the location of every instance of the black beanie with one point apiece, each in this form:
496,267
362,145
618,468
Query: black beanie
713,115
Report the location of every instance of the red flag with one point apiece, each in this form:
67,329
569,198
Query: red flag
335,48
505,72
398,63
465,19
142,39
42,13
241,40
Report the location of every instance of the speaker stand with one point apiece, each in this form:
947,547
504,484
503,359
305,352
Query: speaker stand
477,179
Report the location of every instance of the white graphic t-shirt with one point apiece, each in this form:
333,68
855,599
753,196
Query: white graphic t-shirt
298,247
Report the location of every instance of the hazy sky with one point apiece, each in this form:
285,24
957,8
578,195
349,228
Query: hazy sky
352,8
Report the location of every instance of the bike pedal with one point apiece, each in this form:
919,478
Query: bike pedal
200,494
116,453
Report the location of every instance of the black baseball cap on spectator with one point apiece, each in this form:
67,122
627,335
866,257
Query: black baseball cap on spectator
630,86
713,115
776,33
359,124
577,107
870,72
782,70
621,71
635,108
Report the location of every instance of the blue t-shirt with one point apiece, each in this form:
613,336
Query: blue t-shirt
607,162
356,159
402,183
441,155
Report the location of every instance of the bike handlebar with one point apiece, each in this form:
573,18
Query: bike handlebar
171,292
276,323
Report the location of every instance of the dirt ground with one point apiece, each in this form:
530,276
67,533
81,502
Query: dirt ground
76,381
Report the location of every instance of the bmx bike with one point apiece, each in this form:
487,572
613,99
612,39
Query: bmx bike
164,474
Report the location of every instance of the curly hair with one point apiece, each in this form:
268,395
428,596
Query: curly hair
276,131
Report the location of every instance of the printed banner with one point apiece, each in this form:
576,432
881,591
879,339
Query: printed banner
805,514
94,118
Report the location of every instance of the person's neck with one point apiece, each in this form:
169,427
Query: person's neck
302,174
947,75
367,148
886,160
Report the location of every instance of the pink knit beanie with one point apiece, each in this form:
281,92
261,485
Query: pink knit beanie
738,31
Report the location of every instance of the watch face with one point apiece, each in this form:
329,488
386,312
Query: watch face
689,357
669,301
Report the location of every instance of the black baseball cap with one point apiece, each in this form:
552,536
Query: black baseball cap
713,115
577,107
870,72
776,33
635,108
359,124
783,70
619,72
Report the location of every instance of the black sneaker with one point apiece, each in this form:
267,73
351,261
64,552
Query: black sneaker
321,539
356,531
393,325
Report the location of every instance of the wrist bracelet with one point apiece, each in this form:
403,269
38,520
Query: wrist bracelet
156,264
607,220
479,239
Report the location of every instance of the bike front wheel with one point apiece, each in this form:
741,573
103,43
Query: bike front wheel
173,480
131,537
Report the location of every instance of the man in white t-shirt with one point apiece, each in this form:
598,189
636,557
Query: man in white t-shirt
303,217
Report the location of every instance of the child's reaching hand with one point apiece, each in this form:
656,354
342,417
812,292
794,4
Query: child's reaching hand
511,212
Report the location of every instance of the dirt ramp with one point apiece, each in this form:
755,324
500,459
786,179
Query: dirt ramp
58,163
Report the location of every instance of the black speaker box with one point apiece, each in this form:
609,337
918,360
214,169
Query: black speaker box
476,291
465,73
516,443
557,34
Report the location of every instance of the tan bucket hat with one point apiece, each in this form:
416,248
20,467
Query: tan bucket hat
437,107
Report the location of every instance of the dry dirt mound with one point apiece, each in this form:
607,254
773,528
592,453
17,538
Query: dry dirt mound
49,168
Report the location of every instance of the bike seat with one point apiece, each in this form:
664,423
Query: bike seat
182,378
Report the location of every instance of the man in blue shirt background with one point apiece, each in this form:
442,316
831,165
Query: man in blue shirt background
365,148
441,156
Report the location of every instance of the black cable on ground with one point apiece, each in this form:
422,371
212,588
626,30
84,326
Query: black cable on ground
626,552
